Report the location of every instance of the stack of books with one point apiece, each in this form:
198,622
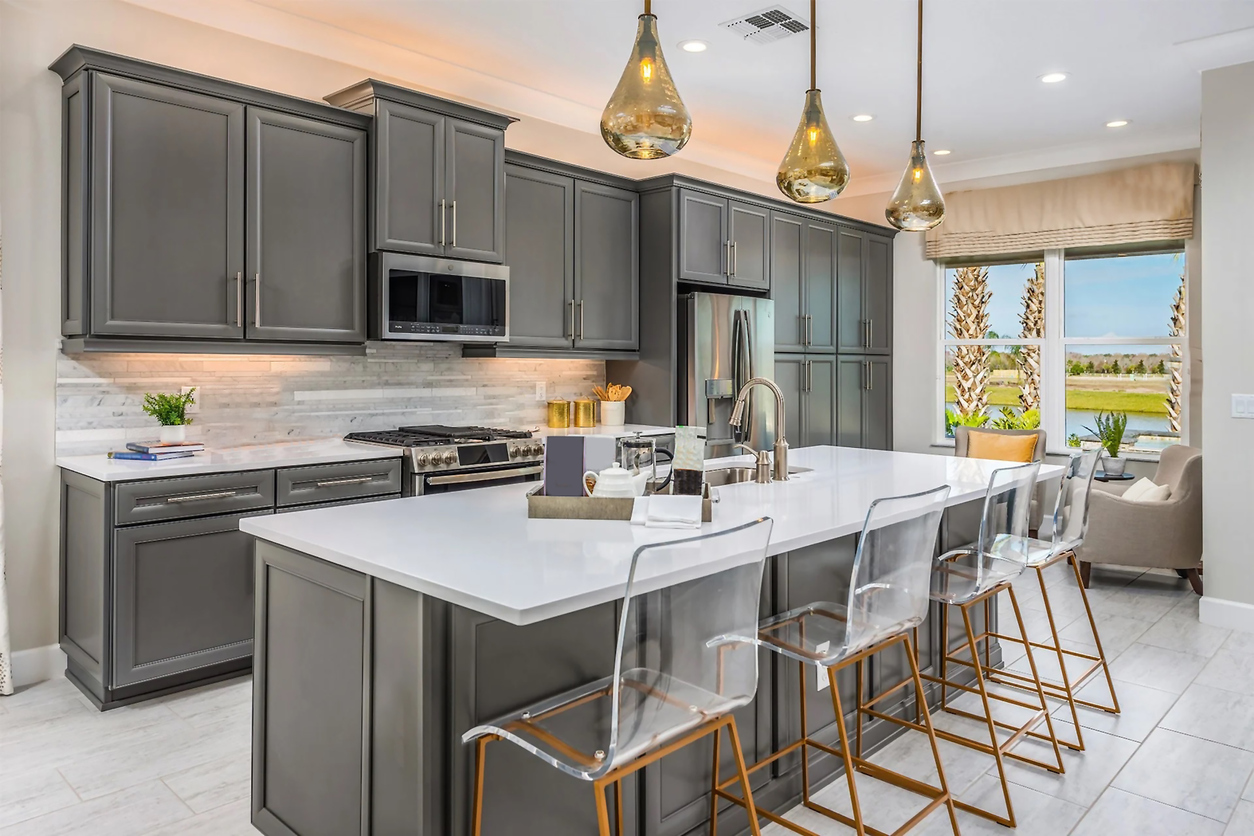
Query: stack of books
155,451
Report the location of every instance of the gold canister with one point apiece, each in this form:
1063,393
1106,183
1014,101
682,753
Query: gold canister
559,415
585,413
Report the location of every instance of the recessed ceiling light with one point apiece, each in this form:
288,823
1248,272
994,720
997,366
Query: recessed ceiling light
693,46
943,152
1053,78
1118,123
863,117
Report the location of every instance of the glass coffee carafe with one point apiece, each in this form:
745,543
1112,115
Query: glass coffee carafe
639,454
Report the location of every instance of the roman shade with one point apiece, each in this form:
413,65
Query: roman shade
1116,208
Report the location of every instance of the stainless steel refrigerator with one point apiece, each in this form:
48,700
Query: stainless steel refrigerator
724,341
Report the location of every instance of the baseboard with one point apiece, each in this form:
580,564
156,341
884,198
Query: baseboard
1230,615
37,664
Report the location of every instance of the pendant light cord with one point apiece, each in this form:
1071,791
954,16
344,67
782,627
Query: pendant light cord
918,99
813,26
648,7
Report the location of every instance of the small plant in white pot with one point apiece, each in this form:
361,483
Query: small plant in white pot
1109,433
171,412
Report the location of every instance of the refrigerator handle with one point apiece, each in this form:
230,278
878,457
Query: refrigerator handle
742,361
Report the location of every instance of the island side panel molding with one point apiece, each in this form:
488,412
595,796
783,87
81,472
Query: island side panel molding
311,697
84,570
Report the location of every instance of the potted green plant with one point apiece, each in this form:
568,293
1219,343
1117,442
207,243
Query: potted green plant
1109,433
171,412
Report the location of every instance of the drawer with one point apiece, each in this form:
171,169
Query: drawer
335,482
193,496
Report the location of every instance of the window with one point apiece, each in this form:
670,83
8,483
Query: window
1055,342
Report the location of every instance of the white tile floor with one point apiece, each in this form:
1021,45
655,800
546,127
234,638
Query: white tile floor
1177,761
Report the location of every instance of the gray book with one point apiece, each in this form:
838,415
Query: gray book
563,466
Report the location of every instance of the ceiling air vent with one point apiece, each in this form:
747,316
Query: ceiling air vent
768,25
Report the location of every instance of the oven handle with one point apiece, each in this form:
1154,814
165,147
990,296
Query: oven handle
487,476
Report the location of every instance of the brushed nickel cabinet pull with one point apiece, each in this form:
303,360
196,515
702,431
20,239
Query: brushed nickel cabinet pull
443,222
809,329
581,319
454,223
735,268
727,258
870,332
572,318
257,302
335,483
239,300
201,497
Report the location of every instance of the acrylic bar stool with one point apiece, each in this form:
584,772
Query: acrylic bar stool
970,577
686,658
888,599
1067,528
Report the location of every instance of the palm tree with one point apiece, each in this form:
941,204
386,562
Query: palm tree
968,320
1032,323
1175,392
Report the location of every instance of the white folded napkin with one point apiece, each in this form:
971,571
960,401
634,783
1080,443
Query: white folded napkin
665,511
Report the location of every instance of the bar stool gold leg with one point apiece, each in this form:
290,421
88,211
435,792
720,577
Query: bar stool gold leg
1040,691
860,678
1062,665
618,807
1009,819
1113,708
920,704
481,751
713,793
750,808
845,751
603,813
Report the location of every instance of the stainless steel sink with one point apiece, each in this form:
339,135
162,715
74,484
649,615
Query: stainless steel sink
737,474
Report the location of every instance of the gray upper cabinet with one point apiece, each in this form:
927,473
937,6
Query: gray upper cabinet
703,245
167,211
607,270
865,293
306,229
180,190
438,171
787,259
540,252
820,286
749,232
409,180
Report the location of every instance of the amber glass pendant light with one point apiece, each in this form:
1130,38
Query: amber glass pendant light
813,170
645,118
918,204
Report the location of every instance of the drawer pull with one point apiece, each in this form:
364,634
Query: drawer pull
200,497
335,483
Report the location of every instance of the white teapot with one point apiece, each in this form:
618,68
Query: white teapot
616,481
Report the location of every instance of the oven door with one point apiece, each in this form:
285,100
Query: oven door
431,483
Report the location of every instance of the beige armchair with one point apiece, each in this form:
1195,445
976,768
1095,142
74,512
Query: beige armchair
1159,535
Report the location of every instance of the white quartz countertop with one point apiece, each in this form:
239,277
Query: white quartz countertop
479,550
252,457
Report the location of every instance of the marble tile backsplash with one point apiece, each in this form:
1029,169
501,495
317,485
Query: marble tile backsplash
261,399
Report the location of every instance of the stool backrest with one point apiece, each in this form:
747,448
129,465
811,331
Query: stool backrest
892,567
687,652
1071,512
1007,505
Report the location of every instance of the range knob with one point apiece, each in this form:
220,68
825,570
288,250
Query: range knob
515,452
422,459
537,450
450,457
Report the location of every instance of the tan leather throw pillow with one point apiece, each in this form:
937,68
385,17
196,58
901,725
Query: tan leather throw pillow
1005,448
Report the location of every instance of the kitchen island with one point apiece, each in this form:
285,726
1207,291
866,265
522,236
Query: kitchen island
386,630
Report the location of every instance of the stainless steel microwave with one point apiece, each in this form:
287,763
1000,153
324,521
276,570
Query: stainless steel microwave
417,297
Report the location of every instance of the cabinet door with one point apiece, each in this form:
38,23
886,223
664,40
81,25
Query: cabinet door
306,229
877,293
850,383
476,191
167,213
786,283
749,233
790,376
183,597
877,405
702,238
820,286
410,207
820,401
851,322
607,267
540,252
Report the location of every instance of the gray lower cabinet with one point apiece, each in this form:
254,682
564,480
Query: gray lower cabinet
540,252
203,215
865,281
809,386
157,579
864,393
306,238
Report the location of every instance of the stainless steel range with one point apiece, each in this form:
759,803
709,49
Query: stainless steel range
439,459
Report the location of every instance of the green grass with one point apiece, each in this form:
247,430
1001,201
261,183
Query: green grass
1143,403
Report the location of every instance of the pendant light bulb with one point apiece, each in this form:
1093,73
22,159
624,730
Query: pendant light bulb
813,170
918,204
645,119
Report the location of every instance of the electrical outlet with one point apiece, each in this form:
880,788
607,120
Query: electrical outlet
821,672
192,407
541,391
1243,406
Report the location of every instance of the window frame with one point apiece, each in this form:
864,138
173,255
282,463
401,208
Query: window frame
1054,344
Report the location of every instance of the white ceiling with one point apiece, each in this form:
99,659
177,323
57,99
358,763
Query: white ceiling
559,60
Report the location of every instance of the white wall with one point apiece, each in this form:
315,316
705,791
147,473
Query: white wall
1228,309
